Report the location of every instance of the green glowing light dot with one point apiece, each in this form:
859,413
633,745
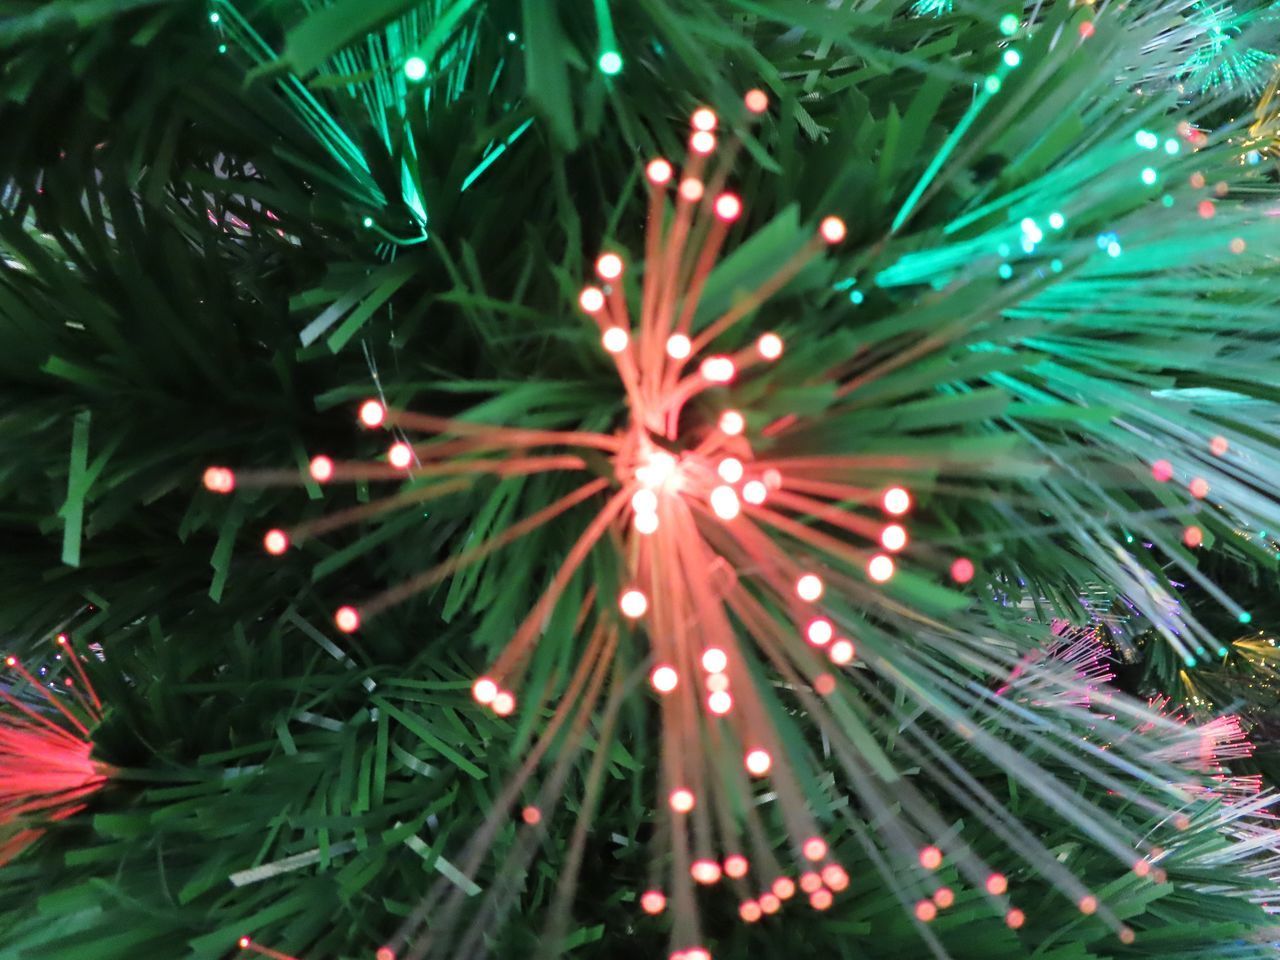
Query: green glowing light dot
415,68
367,222
1148,175
1146,139
1009,24
1005,271
1057,221
1056,266
1012,58
855,297
1171,146
222,48
1189,660
991,84
512,36
214,17
1113,249
611,62
1222,651
1167,200
1245,617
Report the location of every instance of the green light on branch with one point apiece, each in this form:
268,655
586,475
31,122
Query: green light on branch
1009,24
1012,58
991,84
611,62
1149,175
1245,617
214,17
415,68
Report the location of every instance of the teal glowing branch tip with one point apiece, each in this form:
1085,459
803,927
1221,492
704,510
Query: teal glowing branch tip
415,69
1009,24
610,63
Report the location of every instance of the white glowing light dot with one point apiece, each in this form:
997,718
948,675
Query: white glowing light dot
893,537
658,171
276,542
484,690
633,604
504,704
728,207
609,266
718,369
347,619
400,455
714,660
758,762
659,468
724,502
703,119
644,501
591,299
820,631
731,423
646,523
880,568
832,229
717,682
754,492
720,702
321,469
681,800
730,469
757,101
809,587
678,346
664,678
702,142
770,346
896,501
372,413
841,652
691,189
615,339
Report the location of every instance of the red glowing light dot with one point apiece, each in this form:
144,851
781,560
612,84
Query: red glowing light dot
1206,209
962,570
925,911
943,897
893,537
321,469
728,207
609,266
1015,918
730,469
691,189
504,704
820,899
484,690
664,678
1088,904
810,881
931,858
219,480
731,422
717,369
702,142
633,604
724,502
658,171
772,479
758,762
531,816
770,903
809,587
653,902
681,800
997,884
784,888
749,911
815,848
1162,470
824,684
757,101
1199,488
754,492
275,542
736,866
717,682
400,455
1086,29
678,346
770,346
820,631
372,413
1141,868
896,501
834,876
347,619
1125,935
841,653
385,953
11,661
1237,245
615,339
714,660
1192,536
703,119
1218,446
62,639
880,568
832,229
243,943
591,299
720,702
705,871
697,953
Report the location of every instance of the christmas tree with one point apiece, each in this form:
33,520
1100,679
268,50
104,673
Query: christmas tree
676,478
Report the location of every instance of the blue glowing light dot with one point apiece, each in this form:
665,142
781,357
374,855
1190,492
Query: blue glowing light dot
1189,660
1148,175
991,84
610,62
1005,271
415,68
855,297
1009,24
1057,221
1254,158
1222,651
1245,617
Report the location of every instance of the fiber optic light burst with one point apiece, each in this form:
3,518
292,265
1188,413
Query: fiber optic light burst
1223,57
767,577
